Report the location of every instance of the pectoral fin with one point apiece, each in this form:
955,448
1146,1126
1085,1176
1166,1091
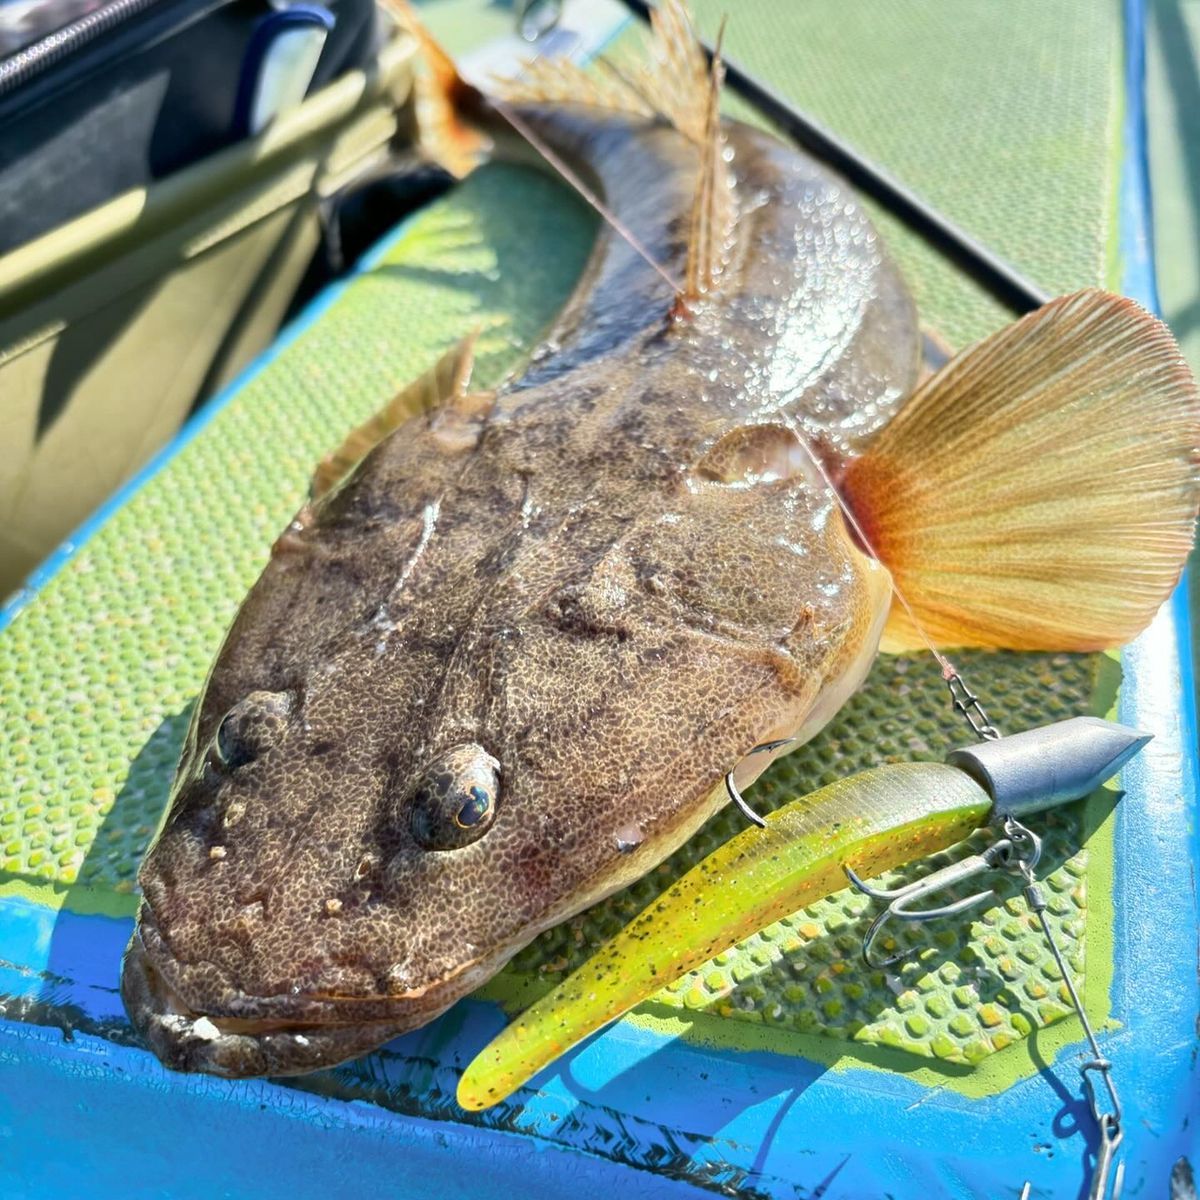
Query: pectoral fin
441,391
1040,491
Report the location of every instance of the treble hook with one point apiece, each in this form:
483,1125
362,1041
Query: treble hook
1004,855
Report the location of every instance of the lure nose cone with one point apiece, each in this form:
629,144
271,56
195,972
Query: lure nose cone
1052,764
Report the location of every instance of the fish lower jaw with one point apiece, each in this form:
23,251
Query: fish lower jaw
239,1048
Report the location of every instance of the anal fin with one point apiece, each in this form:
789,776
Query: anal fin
441,391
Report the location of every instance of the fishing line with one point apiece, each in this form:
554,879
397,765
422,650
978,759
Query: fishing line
949,673
590,196
948,670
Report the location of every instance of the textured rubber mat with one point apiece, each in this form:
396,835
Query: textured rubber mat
1005,117
100,669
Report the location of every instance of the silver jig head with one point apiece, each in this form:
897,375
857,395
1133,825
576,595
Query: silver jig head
1040,768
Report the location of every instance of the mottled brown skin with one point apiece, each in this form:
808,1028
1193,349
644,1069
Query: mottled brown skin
595,600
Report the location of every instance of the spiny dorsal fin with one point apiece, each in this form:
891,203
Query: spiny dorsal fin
561,81
677,85
1040,491
676,79
442,390
712,210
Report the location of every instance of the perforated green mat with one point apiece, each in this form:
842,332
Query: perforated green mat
99,671
1006,119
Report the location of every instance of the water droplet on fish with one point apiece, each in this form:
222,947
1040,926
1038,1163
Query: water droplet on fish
398,979
629,838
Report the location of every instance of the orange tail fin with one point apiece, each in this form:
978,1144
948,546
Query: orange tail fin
442,97
1039,491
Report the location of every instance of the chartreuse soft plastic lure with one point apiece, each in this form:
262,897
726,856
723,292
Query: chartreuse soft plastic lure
872,822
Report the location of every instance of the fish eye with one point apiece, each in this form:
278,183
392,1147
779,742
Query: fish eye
455,798
250,728
474,810
229,752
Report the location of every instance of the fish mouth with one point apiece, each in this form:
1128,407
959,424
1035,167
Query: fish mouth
236,1047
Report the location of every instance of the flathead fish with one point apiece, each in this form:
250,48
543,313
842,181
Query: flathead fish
502,662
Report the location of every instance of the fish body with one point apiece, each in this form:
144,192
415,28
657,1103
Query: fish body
502,666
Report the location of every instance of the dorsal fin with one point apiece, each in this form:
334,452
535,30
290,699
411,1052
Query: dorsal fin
563,81
673,84
712,210
676,84
676,80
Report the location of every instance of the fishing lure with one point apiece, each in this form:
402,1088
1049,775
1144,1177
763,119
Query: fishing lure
857,827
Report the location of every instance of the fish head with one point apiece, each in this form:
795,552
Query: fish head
308,896
280,899
370,817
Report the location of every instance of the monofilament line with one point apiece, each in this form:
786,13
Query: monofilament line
855,524
522,127
572,178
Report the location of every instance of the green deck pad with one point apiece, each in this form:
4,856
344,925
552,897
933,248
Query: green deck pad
1007,121
100,670
461,26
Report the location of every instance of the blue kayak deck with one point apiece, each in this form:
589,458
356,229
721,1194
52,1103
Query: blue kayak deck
653,1106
